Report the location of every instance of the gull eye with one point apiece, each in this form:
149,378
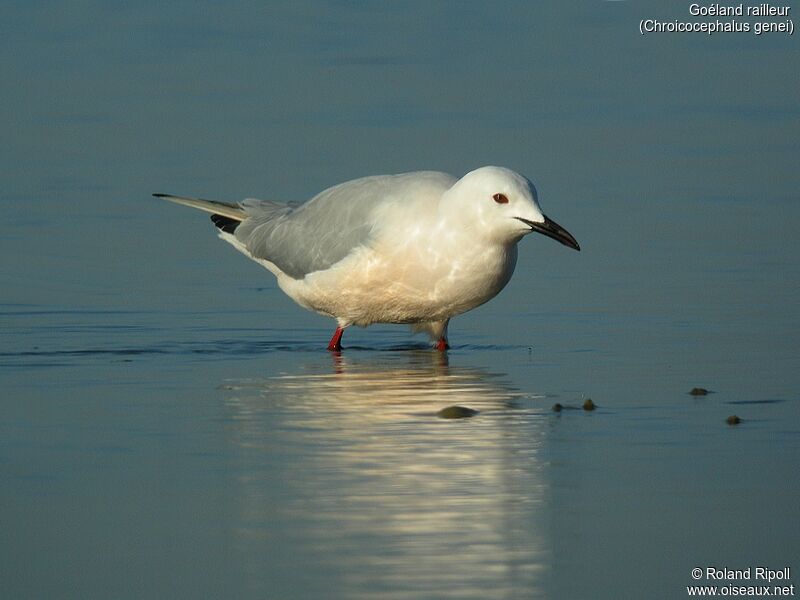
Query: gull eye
500,198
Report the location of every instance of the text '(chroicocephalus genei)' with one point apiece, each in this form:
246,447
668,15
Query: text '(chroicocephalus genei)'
416,248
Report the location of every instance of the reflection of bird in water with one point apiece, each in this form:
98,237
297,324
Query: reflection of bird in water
417,248
353,471
426,382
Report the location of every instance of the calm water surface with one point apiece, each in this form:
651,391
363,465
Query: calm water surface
172,425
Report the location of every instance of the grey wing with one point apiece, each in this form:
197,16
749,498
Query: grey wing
313,236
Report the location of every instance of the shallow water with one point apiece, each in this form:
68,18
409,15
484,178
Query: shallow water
171,423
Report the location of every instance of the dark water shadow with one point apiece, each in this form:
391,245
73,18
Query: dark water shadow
765,401
44,355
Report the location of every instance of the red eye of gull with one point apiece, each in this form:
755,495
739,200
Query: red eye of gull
500,198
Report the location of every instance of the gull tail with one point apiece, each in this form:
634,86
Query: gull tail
226,216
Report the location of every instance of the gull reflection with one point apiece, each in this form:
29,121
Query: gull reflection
349,469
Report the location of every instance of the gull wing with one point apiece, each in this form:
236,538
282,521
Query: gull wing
301,239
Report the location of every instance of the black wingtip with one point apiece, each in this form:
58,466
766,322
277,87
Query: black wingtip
160,195
225,224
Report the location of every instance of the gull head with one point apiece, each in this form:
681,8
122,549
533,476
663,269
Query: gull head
500,206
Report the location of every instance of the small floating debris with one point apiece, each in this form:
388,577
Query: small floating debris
698,391
733,420
587,405
456,412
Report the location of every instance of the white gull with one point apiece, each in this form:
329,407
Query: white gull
416,248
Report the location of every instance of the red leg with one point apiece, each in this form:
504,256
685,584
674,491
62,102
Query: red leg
442,344
335,345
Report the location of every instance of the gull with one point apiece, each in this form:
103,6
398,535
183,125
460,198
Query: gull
415,248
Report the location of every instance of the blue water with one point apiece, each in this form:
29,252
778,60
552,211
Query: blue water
172,425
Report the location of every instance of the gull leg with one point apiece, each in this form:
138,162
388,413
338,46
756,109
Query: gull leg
440,329
335,345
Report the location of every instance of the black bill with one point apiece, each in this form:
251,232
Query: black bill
553,230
